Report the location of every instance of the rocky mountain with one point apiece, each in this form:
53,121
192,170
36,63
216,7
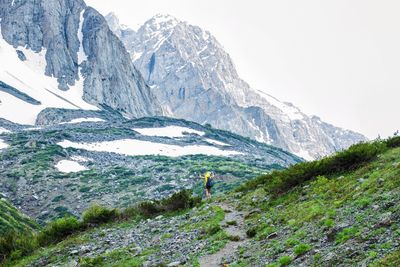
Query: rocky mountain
62,54
192,75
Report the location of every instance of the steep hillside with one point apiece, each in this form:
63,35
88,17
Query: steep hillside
74,158
12,219
342,210
62,54
191,74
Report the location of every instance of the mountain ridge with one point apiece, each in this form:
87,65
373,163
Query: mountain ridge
196,79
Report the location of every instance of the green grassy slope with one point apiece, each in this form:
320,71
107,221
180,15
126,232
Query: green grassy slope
346,217
13,220
343,210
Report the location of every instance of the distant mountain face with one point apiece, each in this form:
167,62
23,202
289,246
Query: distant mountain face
62,54
195,79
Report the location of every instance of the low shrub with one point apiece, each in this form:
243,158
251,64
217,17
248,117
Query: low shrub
328,223
148,208
291,242
91,262
252,232
285,260
234,238
213,229
97,214
231,223
58,230
14,245
346,234
393,142
302,249
178,201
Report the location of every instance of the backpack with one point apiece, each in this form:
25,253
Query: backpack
210,182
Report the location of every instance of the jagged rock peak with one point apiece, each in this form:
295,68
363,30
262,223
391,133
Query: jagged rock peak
195,78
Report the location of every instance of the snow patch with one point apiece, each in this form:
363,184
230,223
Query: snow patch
215,142
260,136
168,131
291,111
135,56
33,129
80,120
80,159
132,147
4,130
68,166
81,53
304,154
3,144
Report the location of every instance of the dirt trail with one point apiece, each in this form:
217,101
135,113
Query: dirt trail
217,259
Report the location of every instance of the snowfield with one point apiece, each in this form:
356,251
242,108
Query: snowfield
168,131
29,77
132,147
68,166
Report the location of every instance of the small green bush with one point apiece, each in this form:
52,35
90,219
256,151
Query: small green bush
393,142
363,202
58,230
148,208
97,214
14,245
91,262
234,238
178,201
252,232
302,249
346,234
213,229
328,223
285,260
291,242
231,223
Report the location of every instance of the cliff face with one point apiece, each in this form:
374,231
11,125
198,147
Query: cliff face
77,44
195,78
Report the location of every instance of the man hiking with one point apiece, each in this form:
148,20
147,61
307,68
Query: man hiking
208,183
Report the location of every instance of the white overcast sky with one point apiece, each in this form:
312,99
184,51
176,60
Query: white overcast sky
337,59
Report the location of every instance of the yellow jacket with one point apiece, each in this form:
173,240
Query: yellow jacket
207,176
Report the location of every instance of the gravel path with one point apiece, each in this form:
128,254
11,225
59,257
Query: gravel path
222,256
